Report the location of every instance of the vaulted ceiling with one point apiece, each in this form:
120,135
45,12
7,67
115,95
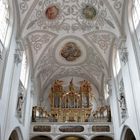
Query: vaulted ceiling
90,27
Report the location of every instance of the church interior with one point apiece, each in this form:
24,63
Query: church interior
69,69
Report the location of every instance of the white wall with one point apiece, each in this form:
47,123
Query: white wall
8,101
131,80
9,95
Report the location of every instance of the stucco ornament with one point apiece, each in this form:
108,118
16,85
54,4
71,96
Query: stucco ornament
70,51
17,57
70,16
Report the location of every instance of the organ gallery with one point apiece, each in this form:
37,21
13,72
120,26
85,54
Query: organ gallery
71,104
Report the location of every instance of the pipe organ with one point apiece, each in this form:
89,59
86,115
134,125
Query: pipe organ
71,105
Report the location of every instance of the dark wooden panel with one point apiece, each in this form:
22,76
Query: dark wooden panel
40,128
71,128
101,128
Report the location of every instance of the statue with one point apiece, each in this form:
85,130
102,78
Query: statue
71,86
122,100
122,103
20,105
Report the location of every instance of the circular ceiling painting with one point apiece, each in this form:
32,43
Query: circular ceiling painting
52,12
89,12
70,51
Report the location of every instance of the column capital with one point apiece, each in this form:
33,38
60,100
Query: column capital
17,58
119,41
20,45
123,53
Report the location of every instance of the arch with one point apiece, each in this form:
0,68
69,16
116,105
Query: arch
11,24
71,137
102,137
134,39
5,44
16,134
41,137
127,134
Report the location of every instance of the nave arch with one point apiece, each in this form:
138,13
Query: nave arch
127,134
102,137
16,134
71,137
41,137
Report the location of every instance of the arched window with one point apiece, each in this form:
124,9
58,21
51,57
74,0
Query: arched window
116,64
24,71
106,91
136,18
16,134
127,134
136,13
4,18
4,22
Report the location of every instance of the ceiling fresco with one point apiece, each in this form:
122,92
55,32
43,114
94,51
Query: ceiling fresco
70,37
70,51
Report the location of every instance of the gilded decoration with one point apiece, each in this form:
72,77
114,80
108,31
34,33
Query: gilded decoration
67,105
89,12
70,51
52,12
71,103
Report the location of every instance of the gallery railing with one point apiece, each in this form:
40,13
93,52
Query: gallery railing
73,128
102,114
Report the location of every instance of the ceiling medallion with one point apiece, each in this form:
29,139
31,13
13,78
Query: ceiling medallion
89,12
52,12
70,51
